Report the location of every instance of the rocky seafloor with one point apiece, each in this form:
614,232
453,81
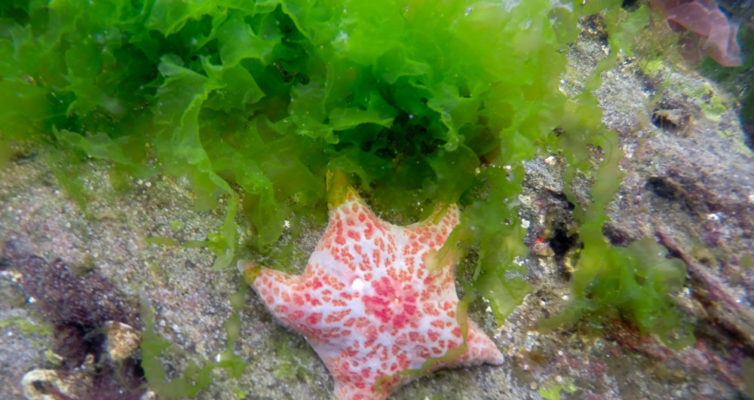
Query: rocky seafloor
75,282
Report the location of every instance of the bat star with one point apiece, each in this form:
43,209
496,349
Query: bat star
372,305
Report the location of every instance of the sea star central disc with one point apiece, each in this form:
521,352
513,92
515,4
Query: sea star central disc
370,306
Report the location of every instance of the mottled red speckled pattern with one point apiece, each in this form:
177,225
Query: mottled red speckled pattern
368,304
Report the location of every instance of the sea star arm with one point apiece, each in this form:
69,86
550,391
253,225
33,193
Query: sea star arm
276,289
305,303
479,349
434,231
351,385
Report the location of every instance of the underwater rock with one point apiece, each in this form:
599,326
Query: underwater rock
122,340
95,351
47,384
687,181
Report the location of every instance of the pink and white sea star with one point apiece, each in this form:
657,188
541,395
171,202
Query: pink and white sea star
369,305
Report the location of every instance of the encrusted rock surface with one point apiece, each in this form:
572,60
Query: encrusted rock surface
689,183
